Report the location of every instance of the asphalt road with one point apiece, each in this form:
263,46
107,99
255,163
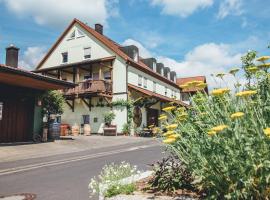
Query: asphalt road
66,177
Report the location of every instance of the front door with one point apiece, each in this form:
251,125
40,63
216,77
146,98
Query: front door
152,117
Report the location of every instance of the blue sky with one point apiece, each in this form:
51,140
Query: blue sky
193,37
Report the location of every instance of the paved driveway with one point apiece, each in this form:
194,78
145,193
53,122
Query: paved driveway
64,146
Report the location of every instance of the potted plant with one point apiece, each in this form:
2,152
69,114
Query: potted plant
109,129
126,129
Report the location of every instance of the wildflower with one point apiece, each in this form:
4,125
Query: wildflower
201,85
252,69
171,126
181,109
174,136
168,133
184,86
246,93
220,92
234,71
267,132
211,133
167,109
162,117
237,115
263,58
219,128
265,65
220,75
194,83
169,140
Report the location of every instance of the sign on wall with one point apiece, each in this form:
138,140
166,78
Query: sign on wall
1,110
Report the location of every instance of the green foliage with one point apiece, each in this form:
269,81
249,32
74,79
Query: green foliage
126,128
52,103
120,189
108,118
170,175
111,176
228,157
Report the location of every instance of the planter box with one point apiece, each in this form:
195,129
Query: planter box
110,131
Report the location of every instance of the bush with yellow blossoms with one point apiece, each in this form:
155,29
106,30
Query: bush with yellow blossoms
224,139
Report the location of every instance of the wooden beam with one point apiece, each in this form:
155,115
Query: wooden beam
71,105
74,74
66,71
87,103
106,65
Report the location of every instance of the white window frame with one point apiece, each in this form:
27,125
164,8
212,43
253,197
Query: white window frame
154,86
145,82
62,54
84,54
140,80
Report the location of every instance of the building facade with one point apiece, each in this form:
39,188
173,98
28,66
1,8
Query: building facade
106,72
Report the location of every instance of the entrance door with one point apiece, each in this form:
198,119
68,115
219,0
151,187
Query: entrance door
152,117
16,124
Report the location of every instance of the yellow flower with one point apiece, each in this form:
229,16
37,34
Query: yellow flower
167,109
171,126
267,132
151,126
184,86
168,133
263,58
193,83
246,93
162,117
220,75
220,92
252,69
169,140
202,85
174,136
237,115
234,71
211,133
266,65
219,128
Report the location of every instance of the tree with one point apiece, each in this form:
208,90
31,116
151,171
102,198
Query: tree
52,103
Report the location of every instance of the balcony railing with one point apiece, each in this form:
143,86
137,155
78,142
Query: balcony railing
90,86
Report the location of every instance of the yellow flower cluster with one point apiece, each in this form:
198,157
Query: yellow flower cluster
252,69
246,93
162,118
171,126
265,65
168,109
220,75
234,71
216,129
263,58
267,132
237,115
220,92
171,137
193,84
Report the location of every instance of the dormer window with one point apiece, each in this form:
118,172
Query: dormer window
136,56
154,66
65,57
87,53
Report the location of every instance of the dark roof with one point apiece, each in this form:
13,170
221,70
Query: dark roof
23,78
111,45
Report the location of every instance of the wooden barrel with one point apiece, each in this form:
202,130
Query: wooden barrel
54,130
75,130
87,129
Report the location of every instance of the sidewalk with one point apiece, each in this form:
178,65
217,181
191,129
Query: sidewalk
64,146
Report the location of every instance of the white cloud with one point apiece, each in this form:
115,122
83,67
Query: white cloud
31,57
182,8
142,50
60,12
230,7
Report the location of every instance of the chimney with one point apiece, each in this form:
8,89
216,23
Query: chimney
12,56
99,28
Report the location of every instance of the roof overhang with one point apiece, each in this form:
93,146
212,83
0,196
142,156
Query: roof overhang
155,95
22,78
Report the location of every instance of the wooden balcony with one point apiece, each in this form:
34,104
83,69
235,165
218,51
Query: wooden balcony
90,87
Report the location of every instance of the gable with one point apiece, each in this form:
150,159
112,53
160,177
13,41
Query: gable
73,42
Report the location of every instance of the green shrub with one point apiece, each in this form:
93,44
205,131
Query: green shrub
108,118
120,189
224,138
170,175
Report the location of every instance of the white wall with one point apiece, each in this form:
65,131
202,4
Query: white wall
160,85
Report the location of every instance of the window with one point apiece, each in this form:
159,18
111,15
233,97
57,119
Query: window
145,82
154,87
65,57
107,75
95,76
139,80
80,33
87,53
185,96
166,91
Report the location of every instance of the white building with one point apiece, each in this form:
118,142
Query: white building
107,72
